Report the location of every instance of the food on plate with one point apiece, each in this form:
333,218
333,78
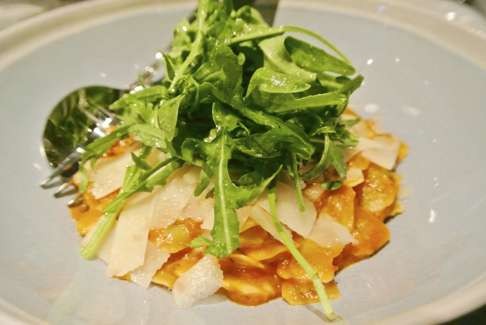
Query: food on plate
243,172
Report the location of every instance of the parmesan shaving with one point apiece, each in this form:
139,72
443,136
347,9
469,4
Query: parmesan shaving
171,201
264,220
131,235
200,281
243,214
381,150
362,129
108,173
154,259
289,212
200,209
329,233
354,177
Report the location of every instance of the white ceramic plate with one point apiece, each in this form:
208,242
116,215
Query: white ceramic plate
425,81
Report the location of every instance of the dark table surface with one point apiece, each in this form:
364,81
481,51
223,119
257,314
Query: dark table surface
476,317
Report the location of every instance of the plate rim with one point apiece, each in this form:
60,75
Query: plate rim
24,37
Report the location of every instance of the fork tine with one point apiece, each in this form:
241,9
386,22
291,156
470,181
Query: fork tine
78,199
65,190
52,181
65,165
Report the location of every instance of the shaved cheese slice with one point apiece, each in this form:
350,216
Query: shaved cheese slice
288,210
243,214
354,176
108,173
104,252
191,175
264,220
131,235
362,129
206,213
381,150
199,282
154,259
200,209
171,201
176,201
329,233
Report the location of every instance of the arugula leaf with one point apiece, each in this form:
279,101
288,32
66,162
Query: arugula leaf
300,139
224,118
83,184
196,47
148,135
322,163
101,145
228,197
271,144
257,35
150,94
225,233
277,57
288,105
222,72
169,65
139,162
181,43
294,172
320,38
246,25
204,182
168,115
269,81
249,193
336,159
332,185
331,82
350,86
315,59
332,156
200,241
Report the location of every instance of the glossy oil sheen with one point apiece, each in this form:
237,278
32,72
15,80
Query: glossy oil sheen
433,99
